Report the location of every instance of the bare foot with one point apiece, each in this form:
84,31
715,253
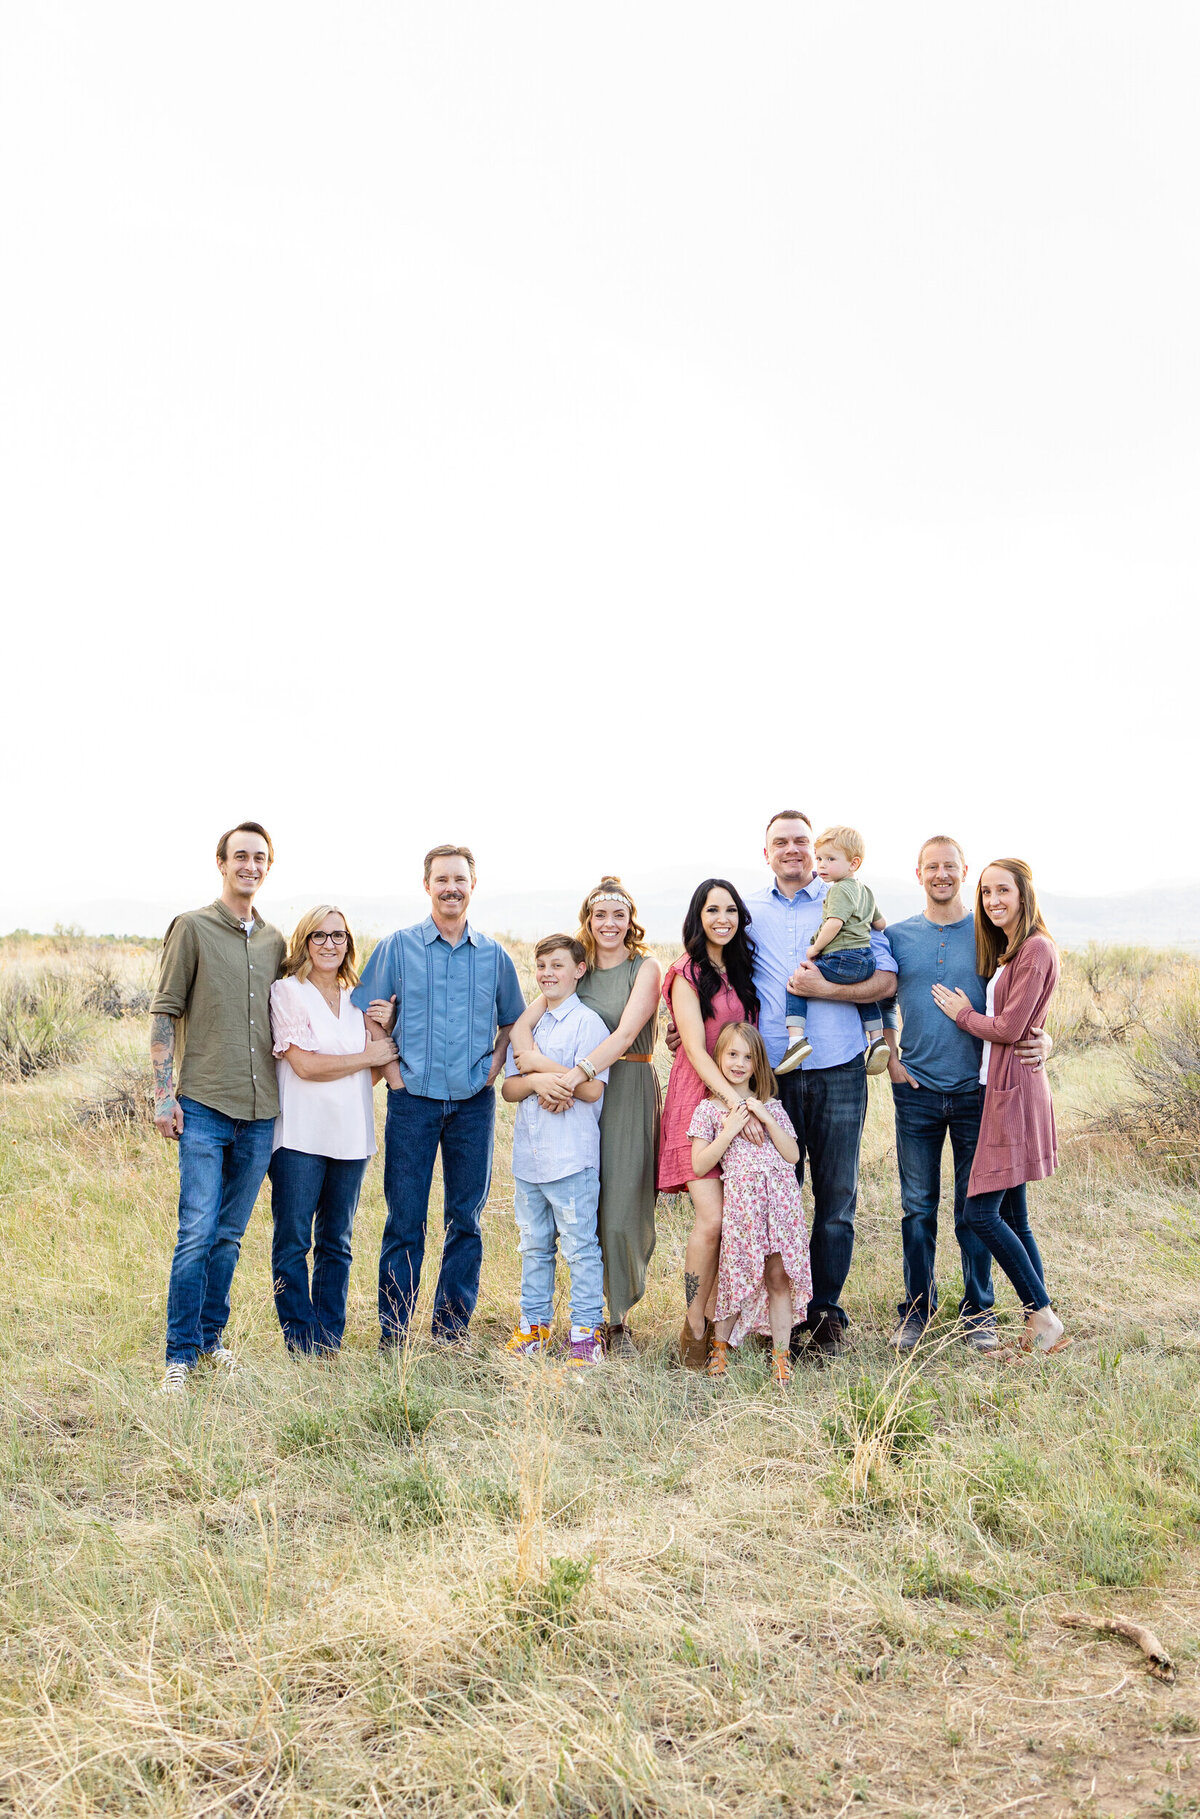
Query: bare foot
1043,1331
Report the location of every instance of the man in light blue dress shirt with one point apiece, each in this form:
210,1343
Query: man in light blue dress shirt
826,1098
452,996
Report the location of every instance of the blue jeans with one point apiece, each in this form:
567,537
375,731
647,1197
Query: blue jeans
414,1130
313,1203
849,967
222,1162
924,1119
564,1212
828,1106
1001,1221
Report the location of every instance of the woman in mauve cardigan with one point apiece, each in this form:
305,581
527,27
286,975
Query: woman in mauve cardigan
1016,1135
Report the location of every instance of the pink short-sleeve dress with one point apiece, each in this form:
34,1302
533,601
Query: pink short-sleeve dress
762,1214
685,1089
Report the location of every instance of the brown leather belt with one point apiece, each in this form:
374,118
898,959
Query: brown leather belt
637,1057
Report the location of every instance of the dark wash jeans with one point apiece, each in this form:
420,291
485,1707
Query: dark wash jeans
222,1162
828,1106
313,1203
848,967
924,1119
415,1128
1001,1221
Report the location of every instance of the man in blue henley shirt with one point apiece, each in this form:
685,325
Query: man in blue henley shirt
936,1093
452,995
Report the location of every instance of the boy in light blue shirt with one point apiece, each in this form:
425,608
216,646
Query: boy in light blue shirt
556,1161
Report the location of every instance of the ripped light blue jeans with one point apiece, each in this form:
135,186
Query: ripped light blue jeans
563,1212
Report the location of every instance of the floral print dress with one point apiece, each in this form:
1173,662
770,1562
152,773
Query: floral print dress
763,1214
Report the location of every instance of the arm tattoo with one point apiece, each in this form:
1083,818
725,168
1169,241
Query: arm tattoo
691,1285
162,1057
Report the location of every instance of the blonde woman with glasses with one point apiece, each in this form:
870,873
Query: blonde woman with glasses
325,1131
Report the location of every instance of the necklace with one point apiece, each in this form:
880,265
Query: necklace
334,1003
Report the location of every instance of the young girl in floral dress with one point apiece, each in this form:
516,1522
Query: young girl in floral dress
764,1284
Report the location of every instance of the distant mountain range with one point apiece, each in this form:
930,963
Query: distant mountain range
1162,916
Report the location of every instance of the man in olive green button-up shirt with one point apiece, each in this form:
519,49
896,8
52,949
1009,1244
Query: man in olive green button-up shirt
215,980
218,967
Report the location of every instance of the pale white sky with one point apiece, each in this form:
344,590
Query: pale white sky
579,431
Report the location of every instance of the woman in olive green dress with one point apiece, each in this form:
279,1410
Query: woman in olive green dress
622,985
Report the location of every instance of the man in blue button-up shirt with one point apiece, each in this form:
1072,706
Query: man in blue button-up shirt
826,1098
450,995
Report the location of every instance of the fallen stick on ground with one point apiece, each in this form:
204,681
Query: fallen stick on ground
1158,1661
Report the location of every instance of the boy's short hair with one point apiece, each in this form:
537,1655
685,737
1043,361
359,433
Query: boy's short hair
449,852
550,944
847,840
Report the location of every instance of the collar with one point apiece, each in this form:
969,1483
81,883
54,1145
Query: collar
559,1011
810,890
431,932
227,914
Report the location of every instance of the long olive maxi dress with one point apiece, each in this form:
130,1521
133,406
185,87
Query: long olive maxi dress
629,1121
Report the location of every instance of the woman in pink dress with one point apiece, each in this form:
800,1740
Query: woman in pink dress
710,985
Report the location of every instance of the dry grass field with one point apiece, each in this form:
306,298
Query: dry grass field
460,1584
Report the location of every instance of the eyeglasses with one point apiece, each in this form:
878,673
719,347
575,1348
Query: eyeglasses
321,939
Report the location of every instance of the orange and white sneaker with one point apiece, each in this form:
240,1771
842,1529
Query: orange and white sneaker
587,1349
527,1342
781,1368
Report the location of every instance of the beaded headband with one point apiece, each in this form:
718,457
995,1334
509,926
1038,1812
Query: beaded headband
608,897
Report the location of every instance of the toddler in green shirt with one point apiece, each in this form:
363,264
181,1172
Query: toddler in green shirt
841,947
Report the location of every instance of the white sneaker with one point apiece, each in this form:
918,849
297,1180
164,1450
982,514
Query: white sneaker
175,1380
219,1356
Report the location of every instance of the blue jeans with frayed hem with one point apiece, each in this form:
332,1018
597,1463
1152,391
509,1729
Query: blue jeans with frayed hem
553,1214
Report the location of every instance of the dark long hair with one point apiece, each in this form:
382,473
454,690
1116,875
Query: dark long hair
739,953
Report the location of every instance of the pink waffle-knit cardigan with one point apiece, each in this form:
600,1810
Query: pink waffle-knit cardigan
1016,1135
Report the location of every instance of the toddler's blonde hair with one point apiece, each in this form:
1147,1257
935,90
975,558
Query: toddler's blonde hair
847,840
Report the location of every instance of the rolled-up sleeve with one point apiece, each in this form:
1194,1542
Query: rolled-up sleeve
380,977
510,999
176,970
